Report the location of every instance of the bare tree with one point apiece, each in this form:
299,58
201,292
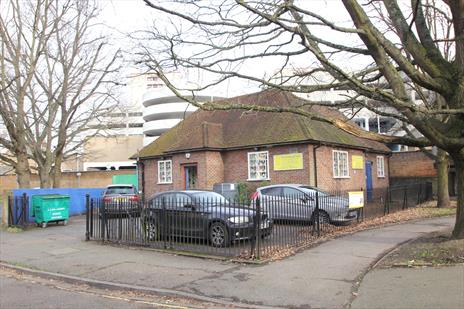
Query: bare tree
62,70
393,44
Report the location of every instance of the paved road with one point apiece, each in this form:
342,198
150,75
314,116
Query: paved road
23,294
322,277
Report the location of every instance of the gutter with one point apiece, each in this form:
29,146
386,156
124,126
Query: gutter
314,142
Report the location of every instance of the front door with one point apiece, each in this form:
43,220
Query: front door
191,177
369,180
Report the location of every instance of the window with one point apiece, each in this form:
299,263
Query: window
340,164
258,165
274,191
380,166
292,193
165,171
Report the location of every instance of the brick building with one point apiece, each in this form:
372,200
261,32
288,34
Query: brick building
211,147
408,167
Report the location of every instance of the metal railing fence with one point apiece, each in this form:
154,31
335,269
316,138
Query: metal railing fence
263,227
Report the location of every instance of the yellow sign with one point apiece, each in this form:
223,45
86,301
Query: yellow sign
286,162
357,162
356,199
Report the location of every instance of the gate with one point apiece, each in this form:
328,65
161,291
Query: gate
18,210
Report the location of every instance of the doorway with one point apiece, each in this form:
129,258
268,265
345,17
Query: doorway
191,177
368,170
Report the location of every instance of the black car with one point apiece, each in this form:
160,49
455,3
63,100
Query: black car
203,215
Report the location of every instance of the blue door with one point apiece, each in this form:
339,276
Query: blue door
190,177
368,170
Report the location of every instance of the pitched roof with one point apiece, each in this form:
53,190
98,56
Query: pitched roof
233,129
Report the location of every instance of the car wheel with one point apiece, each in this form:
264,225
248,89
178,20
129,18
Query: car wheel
323,218
151,230
218,235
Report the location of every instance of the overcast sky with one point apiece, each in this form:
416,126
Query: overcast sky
128,16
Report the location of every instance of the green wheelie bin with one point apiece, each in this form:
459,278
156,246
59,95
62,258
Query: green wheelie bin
50,208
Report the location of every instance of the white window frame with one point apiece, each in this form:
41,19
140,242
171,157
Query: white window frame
266,166
335,156
380,166
167,177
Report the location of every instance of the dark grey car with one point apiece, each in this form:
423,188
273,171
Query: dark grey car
201,215
298,202
121,200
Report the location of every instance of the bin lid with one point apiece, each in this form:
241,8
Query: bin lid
53,196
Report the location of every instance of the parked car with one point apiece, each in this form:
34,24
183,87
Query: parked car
201,214
298,202
121,200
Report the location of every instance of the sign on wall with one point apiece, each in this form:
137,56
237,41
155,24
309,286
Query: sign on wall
356,199
357,162
287,162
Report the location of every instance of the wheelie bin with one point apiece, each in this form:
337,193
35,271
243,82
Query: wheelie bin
50,208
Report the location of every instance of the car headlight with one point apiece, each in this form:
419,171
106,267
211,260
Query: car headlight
239,220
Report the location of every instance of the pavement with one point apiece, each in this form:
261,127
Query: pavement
421,288
326,276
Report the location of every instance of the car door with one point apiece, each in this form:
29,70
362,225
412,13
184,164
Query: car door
297,205
189,221
158,212
272,203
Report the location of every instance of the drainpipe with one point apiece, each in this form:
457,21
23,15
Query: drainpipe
315,163
141,170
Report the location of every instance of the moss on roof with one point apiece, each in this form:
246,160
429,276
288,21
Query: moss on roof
237,128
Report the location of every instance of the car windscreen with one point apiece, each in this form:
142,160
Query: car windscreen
209,198
312,191
119,190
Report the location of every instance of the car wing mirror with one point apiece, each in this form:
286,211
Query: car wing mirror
190,206
307,199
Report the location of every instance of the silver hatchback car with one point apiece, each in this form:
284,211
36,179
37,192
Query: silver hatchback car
298,202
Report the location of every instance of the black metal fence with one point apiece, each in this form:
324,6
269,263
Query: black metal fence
265,226
18,210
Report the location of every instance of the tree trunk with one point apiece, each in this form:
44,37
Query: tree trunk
458,158
442,181
23,172
45,180
57,171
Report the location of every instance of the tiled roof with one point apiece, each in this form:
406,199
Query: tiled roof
226,129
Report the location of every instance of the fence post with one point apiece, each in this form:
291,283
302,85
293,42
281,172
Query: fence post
164,222
318,228
91,218
253,239
103,220
25,207
87,217
419,193
258,230
385,205
10,210
405,198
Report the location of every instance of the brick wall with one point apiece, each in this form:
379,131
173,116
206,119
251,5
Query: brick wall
411,164
89,179
379,182
326,181
236,165
232,166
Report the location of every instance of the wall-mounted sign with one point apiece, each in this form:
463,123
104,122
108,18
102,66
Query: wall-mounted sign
287,162
357,162
356,199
